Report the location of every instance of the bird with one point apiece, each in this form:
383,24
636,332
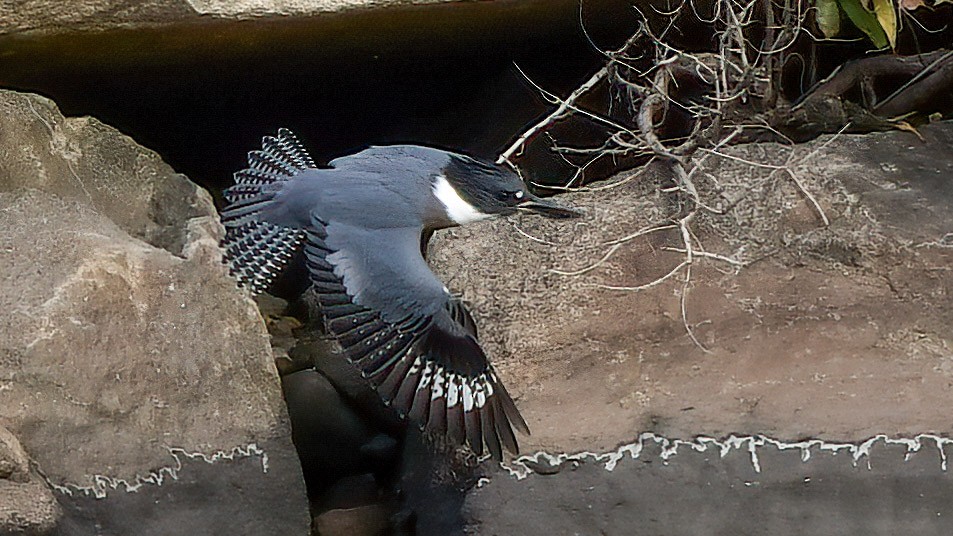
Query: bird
356,228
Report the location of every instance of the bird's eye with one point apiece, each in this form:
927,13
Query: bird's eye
510,195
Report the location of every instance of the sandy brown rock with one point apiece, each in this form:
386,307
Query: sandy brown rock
122,339
27,505
838,333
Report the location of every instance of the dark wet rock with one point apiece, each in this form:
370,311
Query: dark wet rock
351,492
325,356
27,505
368,520
333,441
434,478
834,489
128,359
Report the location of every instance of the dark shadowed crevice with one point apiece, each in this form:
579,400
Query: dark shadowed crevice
202,95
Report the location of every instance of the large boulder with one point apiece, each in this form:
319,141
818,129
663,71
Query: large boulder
802,327
135,374
836,332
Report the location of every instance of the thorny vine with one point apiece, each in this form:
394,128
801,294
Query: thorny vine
680,108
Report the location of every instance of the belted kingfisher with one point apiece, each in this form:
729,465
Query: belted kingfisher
357,226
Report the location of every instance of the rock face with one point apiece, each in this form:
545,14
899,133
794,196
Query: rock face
128,360
834,332
27,505
706,487
31,16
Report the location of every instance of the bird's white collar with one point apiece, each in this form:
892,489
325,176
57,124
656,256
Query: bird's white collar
457,208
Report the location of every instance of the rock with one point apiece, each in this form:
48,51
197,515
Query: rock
369,520
14,463
333,440
780,332
834,332
325,356
27,505
99,15
128,359
696,488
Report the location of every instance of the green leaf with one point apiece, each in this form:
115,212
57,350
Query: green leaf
887,17
866,21
828,17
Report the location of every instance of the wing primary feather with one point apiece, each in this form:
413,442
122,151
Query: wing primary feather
388,388
359,331
420,409
456,430
343,324
437,421
380,364
488,424
510,411
404,398
503,428
330,300
335,312
371,346
474,430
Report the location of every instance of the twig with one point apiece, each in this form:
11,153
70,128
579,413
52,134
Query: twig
648,285
729,260
640,232
531,237
591,267
562,110
817,206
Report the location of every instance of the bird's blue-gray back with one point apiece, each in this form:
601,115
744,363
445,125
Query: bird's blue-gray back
376,188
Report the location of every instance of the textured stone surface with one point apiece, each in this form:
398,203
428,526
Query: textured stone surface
27,505
835,333
839,332
705,487
370,520
333,440
124,346
40,16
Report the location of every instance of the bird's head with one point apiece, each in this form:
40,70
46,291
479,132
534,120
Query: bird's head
471,190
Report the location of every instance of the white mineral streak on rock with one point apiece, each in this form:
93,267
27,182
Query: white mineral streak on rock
520,468
103,484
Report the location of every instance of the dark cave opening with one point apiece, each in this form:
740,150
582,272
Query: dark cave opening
203,95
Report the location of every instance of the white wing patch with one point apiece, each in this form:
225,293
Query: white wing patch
459,210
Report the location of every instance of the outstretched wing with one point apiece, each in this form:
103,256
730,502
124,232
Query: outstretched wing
256,251
414,342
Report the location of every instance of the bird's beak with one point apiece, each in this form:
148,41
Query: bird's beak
548,208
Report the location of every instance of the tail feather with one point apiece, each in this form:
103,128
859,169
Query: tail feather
256,251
